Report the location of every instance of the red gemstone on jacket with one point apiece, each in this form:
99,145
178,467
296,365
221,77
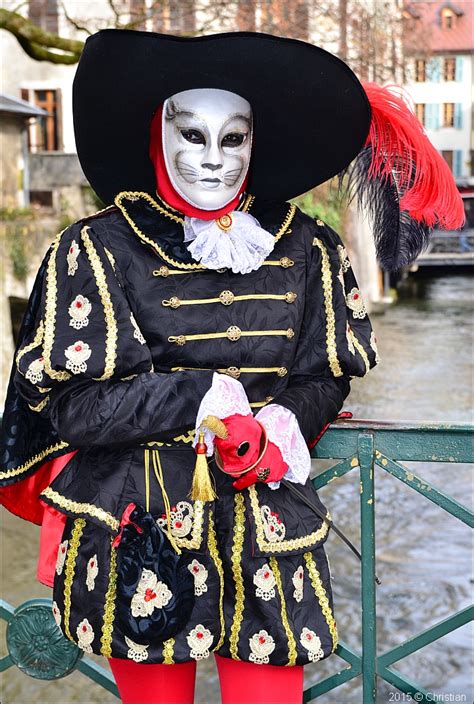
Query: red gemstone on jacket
149,595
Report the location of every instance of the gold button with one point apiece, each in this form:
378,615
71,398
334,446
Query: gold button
226,298
234,372
234,333
162,271
291,296
319,223
290,333
173,302
224,222
283,371
286,262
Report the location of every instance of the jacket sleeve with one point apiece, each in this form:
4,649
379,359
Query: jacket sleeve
336,340
86,365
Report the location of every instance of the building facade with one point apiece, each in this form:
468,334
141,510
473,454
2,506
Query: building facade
440,79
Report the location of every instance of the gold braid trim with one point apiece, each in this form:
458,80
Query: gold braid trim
320,592
304,541
168,651
70,569
239,532
216,558
80,507
8,473
286,222
284,615
39,407
357,344
109,606
110,257
50,313
110,322
37,340
330,317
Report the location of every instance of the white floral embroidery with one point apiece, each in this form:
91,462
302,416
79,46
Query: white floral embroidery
262,645
92,572
79,310
312,643
356,304
199,640
342,281
264,580
137,333
273,527
85,635
350,339
200,575
181,518
35,370
72,255
343,258
136,651
297,579
77,354
62,550
150,595
56,613
373,344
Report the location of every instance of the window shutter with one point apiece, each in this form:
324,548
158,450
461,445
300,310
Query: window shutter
433,69
458,115
459,62
457,163
428,116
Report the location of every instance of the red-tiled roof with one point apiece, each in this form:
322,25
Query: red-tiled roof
459,38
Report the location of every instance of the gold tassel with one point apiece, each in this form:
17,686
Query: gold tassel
202,489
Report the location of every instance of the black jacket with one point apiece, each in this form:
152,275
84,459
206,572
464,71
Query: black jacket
294,332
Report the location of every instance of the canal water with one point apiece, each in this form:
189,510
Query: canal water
423,554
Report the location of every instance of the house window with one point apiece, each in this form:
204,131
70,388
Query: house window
448,157
44,13
448,18
449,72
45,135
448,114
420,70
420,109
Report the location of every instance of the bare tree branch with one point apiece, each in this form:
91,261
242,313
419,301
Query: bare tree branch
36,41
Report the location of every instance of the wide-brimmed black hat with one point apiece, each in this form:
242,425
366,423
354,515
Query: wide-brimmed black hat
311,114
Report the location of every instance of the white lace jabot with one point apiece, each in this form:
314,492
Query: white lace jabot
234,241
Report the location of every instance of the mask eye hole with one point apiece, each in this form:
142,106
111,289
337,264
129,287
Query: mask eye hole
234,139
193,136
243,448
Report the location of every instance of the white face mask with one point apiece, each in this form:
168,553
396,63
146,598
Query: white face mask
207,138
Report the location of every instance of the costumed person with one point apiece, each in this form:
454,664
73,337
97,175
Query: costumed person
201,314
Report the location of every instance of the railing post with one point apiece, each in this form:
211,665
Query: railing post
367,517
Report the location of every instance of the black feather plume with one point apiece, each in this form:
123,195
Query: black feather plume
398,237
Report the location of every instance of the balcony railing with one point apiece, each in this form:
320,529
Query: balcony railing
37,647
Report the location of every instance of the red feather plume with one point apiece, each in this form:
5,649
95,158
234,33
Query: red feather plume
400,146
401,180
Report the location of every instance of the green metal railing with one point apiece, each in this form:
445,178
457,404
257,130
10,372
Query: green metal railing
366,446
38,648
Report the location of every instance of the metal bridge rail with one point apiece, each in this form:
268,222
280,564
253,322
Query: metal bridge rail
38,648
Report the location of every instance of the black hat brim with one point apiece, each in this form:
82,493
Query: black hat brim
311,114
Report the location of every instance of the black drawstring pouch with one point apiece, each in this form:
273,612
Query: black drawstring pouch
155,589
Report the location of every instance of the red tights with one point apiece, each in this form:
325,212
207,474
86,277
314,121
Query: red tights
241,682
